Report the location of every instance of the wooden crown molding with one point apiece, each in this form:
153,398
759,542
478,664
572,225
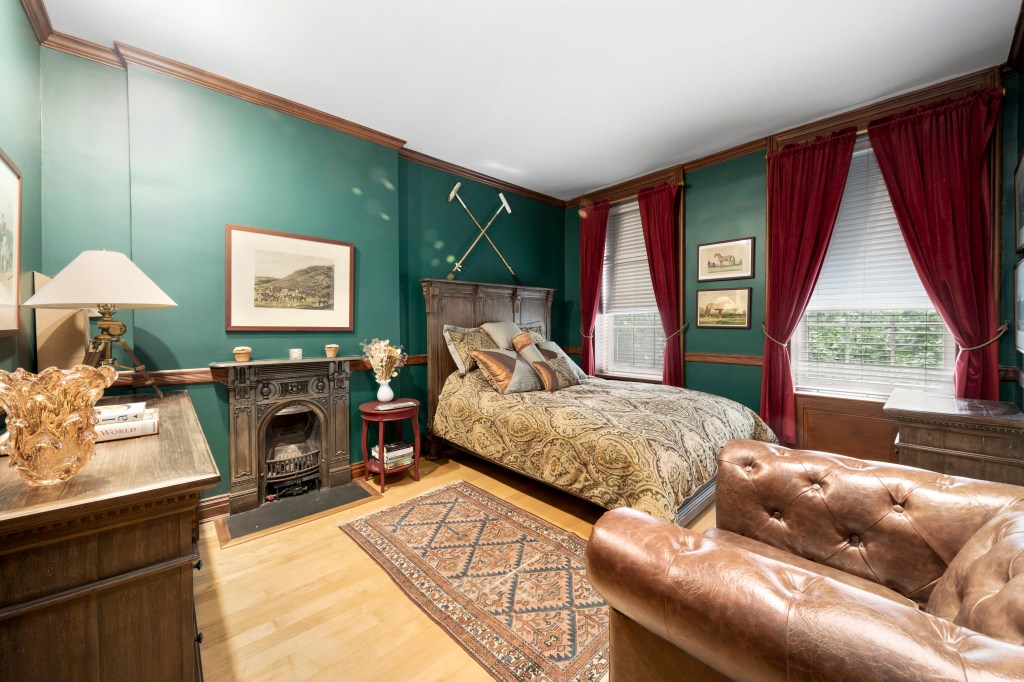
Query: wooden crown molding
726,154
432,162
862,116
630,187
170,67
1015,60
84,49
39,18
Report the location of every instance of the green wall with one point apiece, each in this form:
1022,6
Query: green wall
19,138
434,232
726,201
155,167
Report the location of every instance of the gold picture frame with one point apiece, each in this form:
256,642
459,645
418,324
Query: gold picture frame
724,308
282,281
10,245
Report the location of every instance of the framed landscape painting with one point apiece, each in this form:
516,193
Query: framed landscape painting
10,244
724,308
733,259
277,280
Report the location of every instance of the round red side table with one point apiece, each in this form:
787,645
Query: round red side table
370,413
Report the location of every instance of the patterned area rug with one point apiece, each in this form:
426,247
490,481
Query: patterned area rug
510,588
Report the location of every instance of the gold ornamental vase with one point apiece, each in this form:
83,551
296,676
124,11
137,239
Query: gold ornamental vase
51,420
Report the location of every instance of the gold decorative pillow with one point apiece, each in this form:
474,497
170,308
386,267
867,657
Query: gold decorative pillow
461,344
548,376
506,372
536,330
552,347
561,367
521,341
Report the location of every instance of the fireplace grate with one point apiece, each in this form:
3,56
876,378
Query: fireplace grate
292,461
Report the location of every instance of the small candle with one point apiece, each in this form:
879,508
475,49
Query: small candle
295,353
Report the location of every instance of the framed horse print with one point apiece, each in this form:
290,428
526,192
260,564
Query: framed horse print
732,259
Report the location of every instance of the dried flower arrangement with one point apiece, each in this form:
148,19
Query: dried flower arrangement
385,359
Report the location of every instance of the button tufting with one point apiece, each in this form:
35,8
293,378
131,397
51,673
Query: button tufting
748,468
815,487
777,515
854,539
898,508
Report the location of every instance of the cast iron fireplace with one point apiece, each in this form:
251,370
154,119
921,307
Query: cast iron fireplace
289,427
290,453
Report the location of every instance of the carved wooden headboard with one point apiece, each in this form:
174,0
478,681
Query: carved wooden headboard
470,304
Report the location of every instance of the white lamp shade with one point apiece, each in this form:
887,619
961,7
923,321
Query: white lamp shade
98,278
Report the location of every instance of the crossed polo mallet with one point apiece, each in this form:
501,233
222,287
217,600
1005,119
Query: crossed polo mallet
454,194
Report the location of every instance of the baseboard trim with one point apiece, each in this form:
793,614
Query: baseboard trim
212,507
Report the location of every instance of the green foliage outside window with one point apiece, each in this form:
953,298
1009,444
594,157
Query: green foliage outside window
896,338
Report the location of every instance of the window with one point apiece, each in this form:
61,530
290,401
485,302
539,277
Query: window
869,327
630,340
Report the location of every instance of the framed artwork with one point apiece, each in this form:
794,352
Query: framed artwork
733,259
277,280
10,244
724,308
1018,306
1018,201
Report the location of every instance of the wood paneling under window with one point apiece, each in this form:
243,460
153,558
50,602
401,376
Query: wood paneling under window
858,428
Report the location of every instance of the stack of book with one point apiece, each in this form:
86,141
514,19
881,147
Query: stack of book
396,454
127,420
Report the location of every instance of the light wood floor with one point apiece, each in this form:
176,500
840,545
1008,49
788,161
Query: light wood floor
307,604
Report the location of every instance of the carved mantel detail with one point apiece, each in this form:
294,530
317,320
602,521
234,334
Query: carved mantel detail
259,389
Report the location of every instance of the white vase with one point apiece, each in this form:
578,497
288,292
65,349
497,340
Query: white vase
384,393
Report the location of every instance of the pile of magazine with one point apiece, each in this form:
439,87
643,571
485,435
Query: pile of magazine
396,454
126,420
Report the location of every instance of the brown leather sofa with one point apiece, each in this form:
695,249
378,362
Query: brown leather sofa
822,568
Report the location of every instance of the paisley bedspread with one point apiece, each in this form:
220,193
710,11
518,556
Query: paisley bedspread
615,443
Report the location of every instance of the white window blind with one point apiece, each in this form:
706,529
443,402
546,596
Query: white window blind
630,340
870,327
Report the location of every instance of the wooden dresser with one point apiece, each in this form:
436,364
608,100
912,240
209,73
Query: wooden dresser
96,573
975,438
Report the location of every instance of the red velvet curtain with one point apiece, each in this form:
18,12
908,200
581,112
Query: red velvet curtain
658,218
935,161
805,188
593,228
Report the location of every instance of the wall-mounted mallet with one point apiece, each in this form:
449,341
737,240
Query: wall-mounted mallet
454,194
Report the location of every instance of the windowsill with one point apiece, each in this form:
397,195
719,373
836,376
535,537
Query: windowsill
627,377
843,395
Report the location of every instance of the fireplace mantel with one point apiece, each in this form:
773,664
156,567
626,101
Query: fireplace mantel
257,390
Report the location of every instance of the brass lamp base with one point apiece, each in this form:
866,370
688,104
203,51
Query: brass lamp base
100,347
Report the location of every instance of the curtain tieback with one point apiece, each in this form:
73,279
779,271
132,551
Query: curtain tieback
999,332
583,334
676,333
765,330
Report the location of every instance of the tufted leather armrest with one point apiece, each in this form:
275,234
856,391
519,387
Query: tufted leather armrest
749,617
895,525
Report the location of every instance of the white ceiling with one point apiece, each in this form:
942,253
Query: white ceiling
565,97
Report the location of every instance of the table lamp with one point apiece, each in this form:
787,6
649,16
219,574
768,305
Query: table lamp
106,280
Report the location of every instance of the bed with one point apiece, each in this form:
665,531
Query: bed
615,443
